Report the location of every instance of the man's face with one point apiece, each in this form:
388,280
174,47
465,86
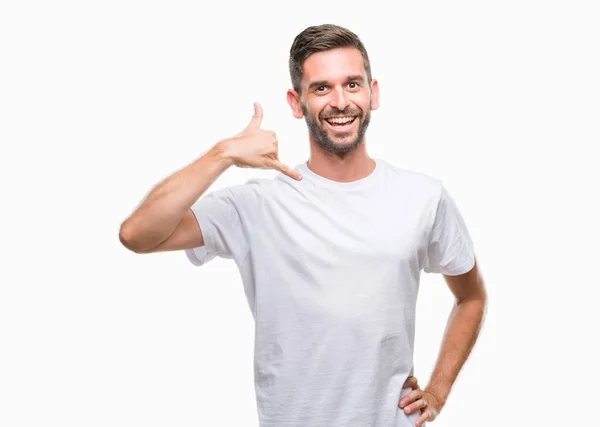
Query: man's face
336,99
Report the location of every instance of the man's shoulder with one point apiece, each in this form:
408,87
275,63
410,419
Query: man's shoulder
412,178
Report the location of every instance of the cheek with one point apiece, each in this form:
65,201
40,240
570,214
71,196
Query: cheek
313,113
365,107
317,110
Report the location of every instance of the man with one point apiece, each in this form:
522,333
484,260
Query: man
329,252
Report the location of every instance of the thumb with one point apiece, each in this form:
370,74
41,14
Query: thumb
256,118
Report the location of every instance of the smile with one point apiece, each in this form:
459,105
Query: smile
340,124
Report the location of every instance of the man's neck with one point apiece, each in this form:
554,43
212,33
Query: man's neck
341,167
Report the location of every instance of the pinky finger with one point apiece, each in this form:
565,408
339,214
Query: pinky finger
421,420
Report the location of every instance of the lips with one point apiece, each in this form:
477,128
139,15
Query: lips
341,128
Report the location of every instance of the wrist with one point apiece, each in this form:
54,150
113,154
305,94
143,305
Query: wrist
439,391
223,152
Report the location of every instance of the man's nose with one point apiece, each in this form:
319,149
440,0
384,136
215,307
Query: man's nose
339,99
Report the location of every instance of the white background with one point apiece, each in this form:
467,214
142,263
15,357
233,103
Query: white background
100,101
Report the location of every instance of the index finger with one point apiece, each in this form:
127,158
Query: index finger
286,170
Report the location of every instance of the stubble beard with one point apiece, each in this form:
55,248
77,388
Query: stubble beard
321,133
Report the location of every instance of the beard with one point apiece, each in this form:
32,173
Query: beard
330,144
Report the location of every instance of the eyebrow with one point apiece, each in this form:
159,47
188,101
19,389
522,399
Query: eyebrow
352,78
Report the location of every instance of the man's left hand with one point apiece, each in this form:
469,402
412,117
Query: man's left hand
422,400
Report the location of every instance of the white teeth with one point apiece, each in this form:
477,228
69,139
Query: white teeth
340,120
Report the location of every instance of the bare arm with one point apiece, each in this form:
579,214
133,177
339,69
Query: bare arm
460,335
164,220
461,331
163,209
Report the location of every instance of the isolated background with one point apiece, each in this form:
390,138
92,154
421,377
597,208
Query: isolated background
99,101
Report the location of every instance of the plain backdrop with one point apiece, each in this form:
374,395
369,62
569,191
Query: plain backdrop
100,101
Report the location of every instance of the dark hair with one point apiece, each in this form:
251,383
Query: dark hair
319,38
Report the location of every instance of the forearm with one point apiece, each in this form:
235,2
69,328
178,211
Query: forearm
154,220
459,338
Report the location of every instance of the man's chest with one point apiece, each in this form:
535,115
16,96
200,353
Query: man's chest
341,262
351,237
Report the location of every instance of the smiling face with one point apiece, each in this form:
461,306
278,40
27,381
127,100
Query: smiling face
336,99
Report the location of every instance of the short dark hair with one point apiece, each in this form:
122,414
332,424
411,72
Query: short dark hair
320,38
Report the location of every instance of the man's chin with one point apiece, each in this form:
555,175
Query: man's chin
340,136
336,145
343,141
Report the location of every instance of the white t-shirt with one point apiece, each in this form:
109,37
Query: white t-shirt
331,274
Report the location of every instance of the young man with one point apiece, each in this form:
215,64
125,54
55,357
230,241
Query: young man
330,252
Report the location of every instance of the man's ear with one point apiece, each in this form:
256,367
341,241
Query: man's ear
294,101
374,94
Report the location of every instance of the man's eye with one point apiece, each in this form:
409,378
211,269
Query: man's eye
355,85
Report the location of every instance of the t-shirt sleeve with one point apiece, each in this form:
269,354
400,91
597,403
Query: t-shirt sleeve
450,249
221,216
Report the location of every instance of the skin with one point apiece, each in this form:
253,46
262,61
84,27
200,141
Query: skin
326,90
340,157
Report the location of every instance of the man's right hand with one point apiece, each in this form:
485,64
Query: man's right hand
257,148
